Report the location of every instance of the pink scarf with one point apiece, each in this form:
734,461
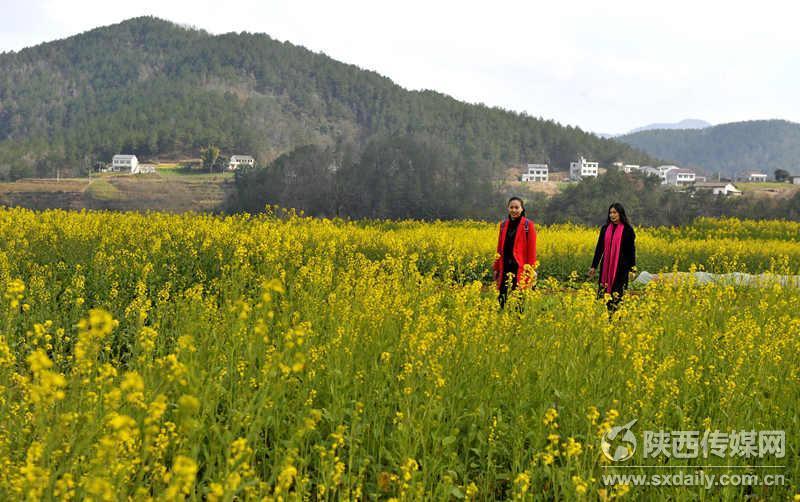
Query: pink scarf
611,249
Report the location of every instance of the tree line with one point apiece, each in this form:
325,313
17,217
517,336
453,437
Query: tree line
729,149
420,177
391,177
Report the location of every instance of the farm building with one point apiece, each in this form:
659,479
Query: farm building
238,161
124,163
536,172
582,169
143,169
756,177
680,176
719,188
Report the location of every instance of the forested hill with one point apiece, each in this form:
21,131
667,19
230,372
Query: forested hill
151,87
733,148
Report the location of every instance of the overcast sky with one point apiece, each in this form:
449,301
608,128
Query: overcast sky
606,66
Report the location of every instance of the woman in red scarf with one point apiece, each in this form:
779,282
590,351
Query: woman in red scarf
615,254
516,251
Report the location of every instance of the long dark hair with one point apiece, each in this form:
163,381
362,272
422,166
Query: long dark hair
621,210
521,203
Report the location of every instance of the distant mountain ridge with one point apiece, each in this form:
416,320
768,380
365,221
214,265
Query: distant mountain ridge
730,149
683,124
150,87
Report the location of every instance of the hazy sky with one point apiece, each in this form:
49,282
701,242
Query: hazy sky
604,66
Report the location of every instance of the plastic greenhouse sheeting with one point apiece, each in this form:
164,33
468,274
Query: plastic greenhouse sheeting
735,278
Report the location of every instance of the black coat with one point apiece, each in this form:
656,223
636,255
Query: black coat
627,256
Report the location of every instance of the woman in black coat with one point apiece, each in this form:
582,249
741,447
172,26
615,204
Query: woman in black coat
615,255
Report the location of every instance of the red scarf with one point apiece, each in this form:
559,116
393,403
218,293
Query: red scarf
612,245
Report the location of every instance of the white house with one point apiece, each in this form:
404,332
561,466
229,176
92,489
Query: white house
626,168
124,163
143,169
719,188
795,180
756,177
536,172
659,172
663,170
582,169
238,161
680,176
649,171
